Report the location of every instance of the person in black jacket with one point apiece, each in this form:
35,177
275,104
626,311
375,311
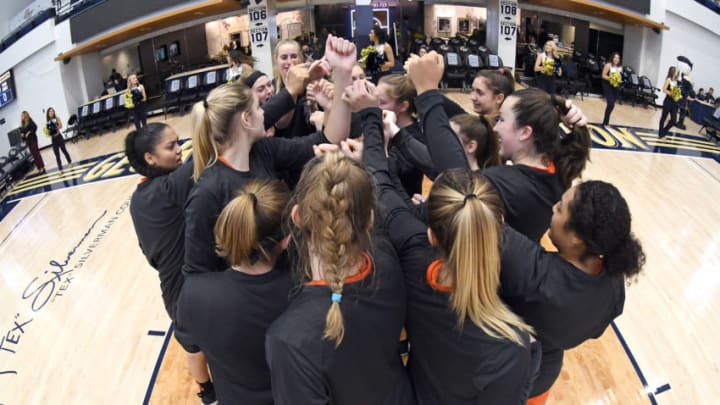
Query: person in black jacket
467,347
227,313
28,132
156,209
54,126
572,295
337,341
230,148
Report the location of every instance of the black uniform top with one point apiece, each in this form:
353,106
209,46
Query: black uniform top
219,183
565,305
447,365
226,315
528,193
277,106
31,127
366,368
157,212
402,163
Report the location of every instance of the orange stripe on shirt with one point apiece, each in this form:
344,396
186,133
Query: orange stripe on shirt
365,270
550,169
432,274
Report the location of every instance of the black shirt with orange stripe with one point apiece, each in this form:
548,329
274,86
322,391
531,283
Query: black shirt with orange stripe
158,215
565,305
528,193
219,183
226,314
366,368
447,365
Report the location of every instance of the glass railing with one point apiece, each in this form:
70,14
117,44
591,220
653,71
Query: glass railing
26,27
67,8
711,4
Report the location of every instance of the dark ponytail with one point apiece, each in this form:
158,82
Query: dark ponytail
572,150
600,216
569,151
140,142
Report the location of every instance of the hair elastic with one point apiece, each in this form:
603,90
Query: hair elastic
469,196
336,297
205,103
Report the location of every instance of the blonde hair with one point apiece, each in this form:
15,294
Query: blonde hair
254,216
276,67
403,89
25,118
211,120
335,199
465,216
552,46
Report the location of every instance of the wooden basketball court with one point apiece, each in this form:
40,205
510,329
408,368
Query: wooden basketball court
82,320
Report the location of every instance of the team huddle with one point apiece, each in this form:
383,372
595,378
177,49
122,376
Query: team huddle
296,245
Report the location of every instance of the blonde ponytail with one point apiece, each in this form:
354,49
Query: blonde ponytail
211,120
249,219
466,218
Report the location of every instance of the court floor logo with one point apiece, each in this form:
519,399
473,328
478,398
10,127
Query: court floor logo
99,168
646,140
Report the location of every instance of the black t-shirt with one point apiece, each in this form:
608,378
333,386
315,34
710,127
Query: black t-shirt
366,368
528,196
219,183
226,314
157,212
565,305
447,365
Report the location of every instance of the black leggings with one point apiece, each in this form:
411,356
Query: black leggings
140,115
669,107
58,143
547,83
611,94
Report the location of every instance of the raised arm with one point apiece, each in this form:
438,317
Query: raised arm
445,148
340,55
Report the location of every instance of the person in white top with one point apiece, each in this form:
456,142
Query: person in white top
611,87
547,67
139,98
378,37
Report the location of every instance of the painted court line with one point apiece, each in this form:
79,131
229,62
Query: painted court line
651,394
158,363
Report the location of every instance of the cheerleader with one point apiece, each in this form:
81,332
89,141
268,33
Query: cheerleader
53,126
139,99
611,79
670,104
547,66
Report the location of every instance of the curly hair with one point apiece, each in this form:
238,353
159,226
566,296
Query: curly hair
600,216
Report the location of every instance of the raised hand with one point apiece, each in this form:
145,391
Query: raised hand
340,53
425,71
574,115
361,95
297,78
324,148
319,69
353,149
390,128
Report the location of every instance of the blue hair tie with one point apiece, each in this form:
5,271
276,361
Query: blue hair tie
336,297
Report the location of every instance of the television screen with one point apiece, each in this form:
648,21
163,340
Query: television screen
7,89
174,49
161,54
